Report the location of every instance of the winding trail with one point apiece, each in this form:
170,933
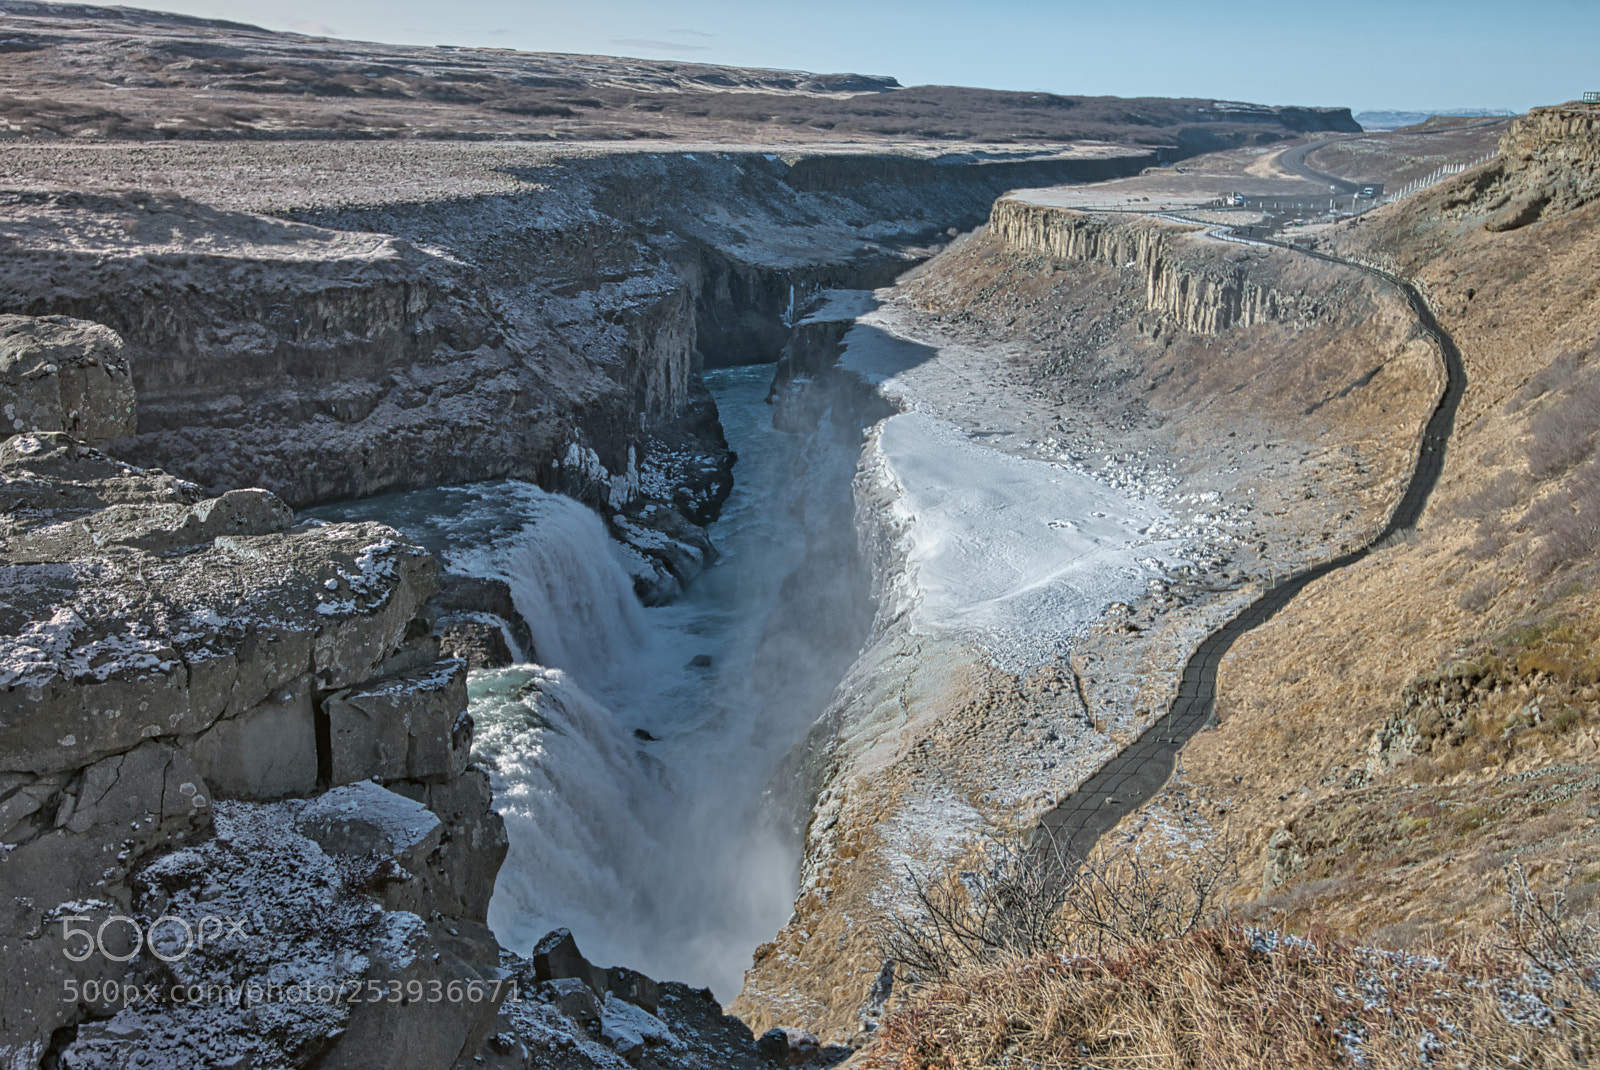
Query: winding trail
1142,769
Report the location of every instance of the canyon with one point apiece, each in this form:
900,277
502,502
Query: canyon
353,469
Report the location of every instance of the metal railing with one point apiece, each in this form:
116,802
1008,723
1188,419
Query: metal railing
1429,179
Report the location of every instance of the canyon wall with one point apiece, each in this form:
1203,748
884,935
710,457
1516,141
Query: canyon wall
1200,294
1281,397
552,333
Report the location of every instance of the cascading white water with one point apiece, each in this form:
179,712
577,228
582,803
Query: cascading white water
575,596
654,853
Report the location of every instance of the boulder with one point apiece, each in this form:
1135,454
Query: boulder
463,869
61,374
630,1029
411,726
461,958
479,640
472,604
789,1047
556,955
634,987
365,821
572,998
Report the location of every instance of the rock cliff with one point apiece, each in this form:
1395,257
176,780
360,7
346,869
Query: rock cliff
1195,293
1548,165
185,671
354,341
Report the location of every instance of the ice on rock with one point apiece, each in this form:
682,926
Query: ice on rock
362,817
987,549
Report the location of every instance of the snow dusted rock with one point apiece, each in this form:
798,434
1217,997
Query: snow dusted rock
573,998
101,650
557,956
671,550
74,865
367,821
406,727
788,1047
634,1023
634,987
155,528
459,959
61,374
463,868
628,1029
478,622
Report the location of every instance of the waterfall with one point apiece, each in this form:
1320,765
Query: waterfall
574,793
655,851
574,594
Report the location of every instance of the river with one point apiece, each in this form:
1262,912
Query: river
657,853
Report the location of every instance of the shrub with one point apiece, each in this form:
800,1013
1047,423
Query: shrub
1029,900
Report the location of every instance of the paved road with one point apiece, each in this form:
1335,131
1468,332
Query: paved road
1294,161
1140,771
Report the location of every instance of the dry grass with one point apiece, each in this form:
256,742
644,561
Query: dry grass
1226,994
1029,900
1230,996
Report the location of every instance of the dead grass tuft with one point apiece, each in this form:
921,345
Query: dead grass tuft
1230,996
1224,994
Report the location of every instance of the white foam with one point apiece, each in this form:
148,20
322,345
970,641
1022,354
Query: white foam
569,586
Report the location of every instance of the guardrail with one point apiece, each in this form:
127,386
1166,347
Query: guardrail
1429,179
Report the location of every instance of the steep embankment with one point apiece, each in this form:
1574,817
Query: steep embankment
173,666
1267,409
1414,721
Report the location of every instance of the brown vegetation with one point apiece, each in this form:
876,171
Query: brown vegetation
1225,994
1230,996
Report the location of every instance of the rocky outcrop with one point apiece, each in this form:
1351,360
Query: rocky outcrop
60,374
478,622
1548,165
193,672
568,1014
1196,293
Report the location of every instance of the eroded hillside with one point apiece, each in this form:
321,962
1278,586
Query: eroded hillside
1414,731
1271,404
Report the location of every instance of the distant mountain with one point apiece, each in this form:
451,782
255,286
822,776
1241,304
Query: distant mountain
1393,120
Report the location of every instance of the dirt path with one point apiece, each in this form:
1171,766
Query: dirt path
1143,768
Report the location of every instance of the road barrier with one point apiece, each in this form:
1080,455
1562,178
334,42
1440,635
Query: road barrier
1435,176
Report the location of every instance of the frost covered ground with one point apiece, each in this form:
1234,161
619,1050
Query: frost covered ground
1004,545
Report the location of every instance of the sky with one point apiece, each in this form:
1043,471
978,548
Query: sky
1364,54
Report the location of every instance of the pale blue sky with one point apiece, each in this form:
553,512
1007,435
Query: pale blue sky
1362,53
